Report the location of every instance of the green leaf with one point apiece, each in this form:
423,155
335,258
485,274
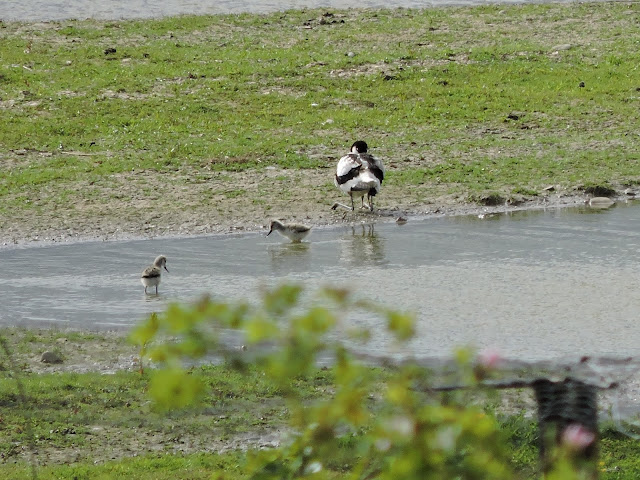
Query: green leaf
337,295
174,388
259,329
144,333
317,320
402,325
281,299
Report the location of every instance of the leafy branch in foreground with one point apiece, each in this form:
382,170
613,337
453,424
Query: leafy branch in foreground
369,427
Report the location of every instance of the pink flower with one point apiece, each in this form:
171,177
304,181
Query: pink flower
577,437
489,358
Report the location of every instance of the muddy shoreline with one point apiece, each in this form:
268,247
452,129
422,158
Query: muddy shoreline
37,230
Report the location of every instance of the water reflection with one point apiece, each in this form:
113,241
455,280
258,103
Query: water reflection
153,298
287,256
362,247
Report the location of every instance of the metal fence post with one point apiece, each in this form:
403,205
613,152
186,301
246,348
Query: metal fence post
567,404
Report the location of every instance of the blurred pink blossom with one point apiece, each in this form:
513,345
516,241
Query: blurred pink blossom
577,437
489,358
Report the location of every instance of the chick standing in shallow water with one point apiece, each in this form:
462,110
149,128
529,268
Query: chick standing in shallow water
293,231
151,275
358,174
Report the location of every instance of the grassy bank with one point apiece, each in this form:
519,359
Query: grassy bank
86,414
98,425
126,120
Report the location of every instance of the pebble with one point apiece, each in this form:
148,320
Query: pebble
51,357
601,202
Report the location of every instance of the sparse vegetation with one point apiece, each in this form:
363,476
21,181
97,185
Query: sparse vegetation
211,113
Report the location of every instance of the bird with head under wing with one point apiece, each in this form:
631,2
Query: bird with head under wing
151,275
358,174
293,231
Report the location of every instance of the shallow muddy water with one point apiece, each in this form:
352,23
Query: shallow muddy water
42,10
535,285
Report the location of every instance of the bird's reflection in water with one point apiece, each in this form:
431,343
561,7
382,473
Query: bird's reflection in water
362,246
290,256
155,298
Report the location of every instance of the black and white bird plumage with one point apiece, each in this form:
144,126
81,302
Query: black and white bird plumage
151,275
358,174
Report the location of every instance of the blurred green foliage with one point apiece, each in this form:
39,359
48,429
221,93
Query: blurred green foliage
365,429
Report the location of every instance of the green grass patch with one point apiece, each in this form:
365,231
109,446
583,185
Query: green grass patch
491,98
94,424
149,467
91,425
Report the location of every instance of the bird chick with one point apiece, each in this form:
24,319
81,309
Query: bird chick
151,275
293,231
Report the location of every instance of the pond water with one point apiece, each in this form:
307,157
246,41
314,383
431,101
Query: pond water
535,285
42,10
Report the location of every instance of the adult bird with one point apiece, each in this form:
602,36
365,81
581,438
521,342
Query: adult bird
358,174
293,231
151,275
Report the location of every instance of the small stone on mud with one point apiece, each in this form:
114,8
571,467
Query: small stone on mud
51,357
601,202
564,46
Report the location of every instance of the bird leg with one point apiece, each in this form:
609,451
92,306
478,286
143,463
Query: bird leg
336,205
363,206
